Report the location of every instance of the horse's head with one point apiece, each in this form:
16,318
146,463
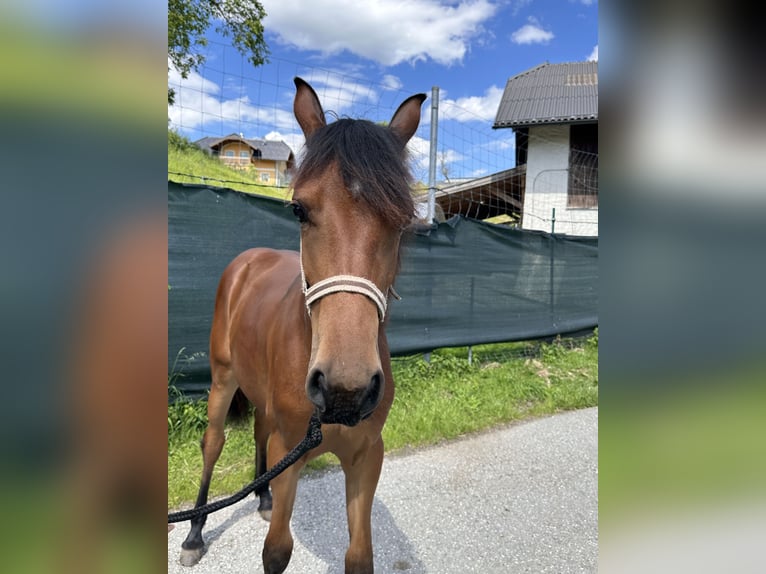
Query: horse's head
352,197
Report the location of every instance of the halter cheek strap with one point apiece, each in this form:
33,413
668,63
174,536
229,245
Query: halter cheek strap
348,284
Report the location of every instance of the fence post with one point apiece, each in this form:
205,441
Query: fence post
432,154
551,278
470,319
432,171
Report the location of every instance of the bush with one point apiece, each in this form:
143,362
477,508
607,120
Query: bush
186,418
179,142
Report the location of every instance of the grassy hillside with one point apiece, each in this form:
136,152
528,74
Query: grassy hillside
189,164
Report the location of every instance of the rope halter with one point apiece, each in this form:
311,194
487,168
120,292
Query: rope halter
347,284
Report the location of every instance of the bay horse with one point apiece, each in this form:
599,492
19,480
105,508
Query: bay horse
304,332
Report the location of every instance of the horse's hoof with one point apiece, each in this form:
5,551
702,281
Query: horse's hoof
265,514
190,557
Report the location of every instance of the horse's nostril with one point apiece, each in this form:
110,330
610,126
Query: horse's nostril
316,389
373,395
338,404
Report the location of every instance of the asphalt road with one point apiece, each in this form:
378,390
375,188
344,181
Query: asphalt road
523,498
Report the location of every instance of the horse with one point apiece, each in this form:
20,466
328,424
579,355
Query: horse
304,332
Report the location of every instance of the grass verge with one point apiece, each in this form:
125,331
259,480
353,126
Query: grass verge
435,401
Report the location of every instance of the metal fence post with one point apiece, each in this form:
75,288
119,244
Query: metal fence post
432,154
432,170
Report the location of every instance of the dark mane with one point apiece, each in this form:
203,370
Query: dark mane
371,161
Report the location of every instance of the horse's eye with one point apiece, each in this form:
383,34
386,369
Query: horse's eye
300,212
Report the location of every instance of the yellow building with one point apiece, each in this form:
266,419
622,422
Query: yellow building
271,160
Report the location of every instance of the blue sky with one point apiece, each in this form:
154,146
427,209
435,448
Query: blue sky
365,57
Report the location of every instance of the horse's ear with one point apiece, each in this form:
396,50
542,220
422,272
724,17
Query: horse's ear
407,117
308,111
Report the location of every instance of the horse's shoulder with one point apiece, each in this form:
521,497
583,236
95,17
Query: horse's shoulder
262,257
259,267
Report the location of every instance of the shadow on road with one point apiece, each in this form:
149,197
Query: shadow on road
319,523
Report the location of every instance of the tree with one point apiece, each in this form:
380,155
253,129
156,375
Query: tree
444,165
189,19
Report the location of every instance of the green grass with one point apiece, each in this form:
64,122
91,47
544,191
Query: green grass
435,401
189,164
691,440
448,397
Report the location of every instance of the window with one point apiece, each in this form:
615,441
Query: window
522,144
265,177
583,166
229,153
244,153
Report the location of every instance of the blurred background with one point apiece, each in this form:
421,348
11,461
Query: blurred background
84,281
682,456
84,285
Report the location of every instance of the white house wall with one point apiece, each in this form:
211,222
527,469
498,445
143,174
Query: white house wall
546,185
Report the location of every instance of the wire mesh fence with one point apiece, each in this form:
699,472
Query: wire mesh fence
479,172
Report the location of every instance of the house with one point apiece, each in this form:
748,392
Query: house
271,160
553,110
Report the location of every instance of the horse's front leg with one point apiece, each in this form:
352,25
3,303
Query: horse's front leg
361,481
221,392
261,431
278,546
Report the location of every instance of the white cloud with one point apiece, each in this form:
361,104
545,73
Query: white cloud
198,103
391,82
295,140
194,82
594,54
531,33
201,105
387,32
418,149
338,93
472,108
448,156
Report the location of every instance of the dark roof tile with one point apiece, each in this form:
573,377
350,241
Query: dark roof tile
550,94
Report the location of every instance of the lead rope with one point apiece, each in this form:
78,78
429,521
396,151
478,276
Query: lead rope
312,439
334,284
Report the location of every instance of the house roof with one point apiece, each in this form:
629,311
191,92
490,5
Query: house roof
270,149
485,197
550,94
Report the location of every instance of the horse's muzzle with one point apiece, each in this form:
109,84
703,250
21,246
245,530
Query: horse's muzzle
339,405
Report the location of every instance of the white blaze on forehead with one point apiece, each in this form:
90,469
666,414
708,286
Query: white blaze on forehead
355,188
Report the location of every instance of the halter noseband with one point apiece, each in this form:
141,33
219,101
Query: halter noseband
348,284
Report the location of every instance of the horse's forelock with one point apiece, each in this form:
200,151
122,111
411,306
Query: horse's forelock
371,162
